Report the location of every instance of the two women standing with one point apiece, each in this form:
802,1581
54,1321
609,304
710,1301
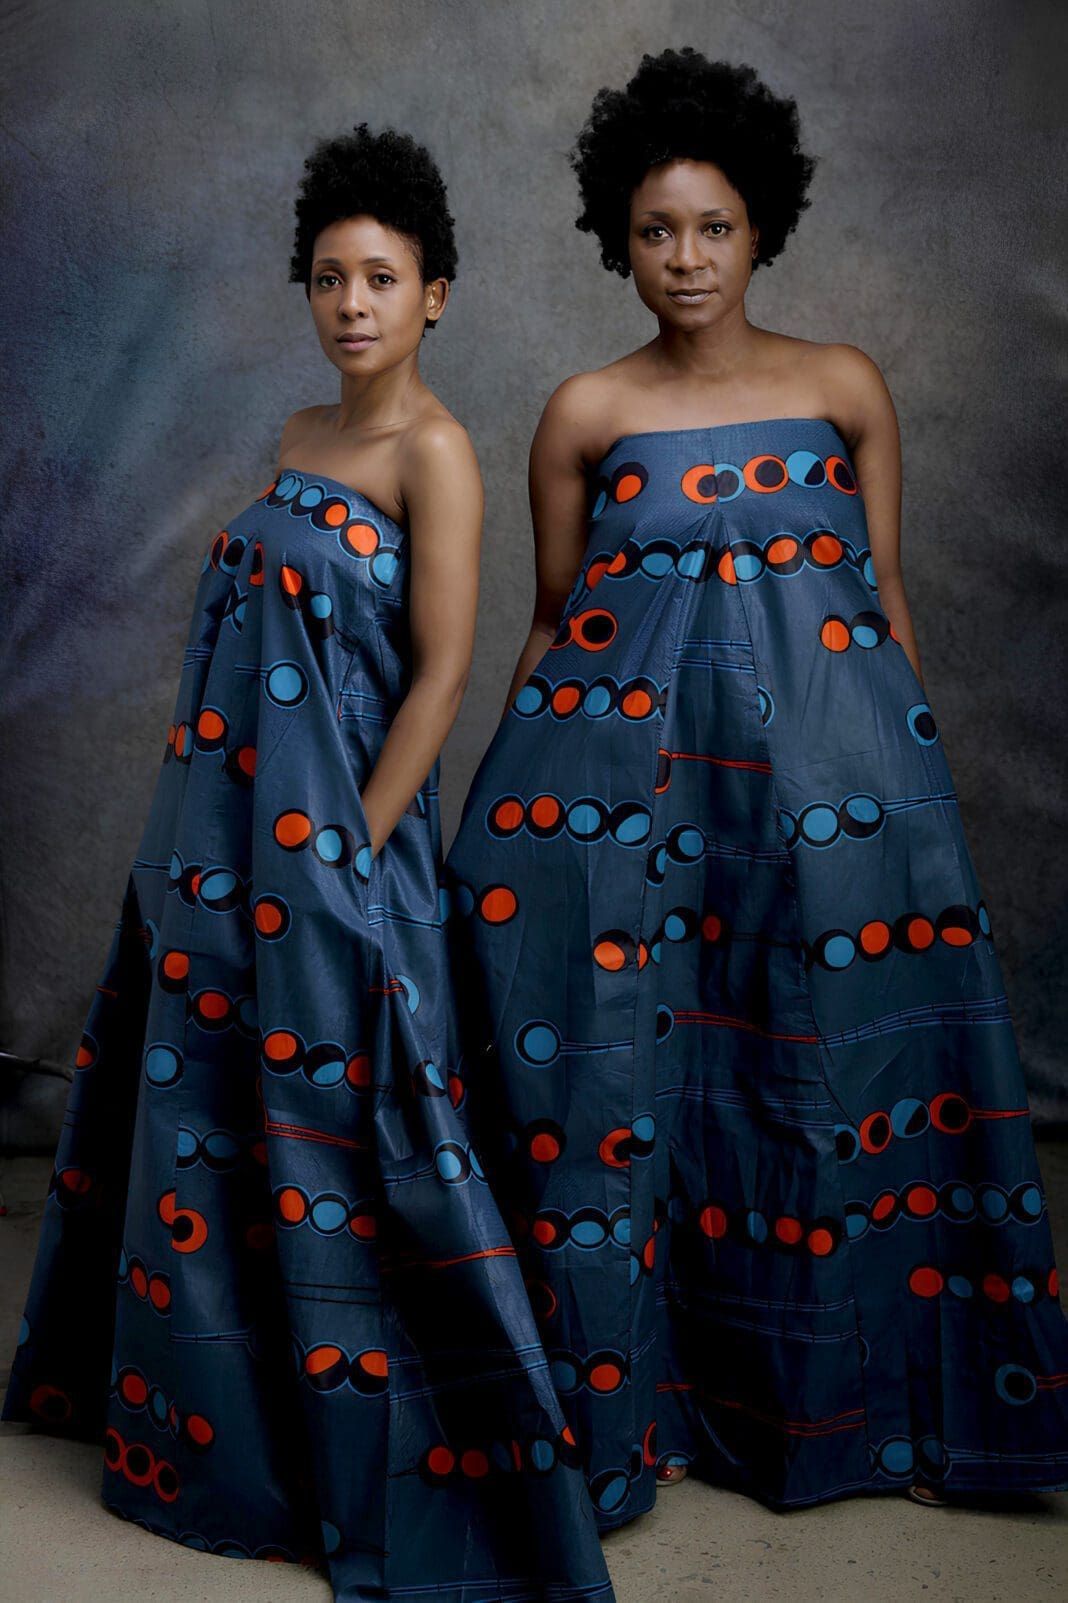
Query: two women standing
734,1056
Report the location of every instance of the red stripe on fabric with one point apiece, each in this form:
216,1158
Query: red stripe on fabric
739,1024
445,1263
299,1132
721,762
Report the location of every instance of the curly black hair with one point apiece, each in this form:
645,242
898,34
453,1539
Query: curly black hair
680,104
387,176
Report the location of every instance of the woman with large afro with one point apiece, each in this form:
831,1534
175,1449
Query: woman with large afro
751,1095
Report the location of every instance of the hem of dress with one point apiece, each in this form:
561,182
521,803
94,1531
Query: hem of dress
516,1591
169,1534
954,1492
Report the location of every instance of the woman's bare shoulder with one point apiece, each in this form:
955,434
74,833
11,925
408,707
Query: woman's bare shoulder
858,398
437,454
582,410
830,379
436,436
299,425
849,367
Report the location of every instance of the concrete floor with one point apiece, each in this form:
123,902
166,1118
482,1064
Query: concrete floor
58,1544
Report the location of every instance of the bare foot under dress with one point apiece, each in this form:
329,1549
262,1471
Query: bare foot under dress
271,1275
764,1136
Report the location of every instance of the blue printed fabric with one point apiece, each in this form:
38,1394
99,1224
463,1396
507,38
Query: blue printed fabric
748,1091
272,1277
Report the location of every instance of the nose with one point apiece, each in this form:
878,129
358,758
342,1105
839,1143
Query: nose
352,303
687,256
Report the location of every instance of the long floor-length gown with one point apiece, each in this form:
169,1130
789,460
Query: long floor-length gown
749,1092
271,1275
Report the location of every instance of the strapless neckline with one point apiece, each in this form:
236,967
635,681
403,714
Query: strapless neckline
721,428
349,491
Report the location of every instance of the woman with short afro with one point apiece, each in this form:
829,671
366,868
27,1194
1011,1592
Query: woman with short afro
271,1276
763,1133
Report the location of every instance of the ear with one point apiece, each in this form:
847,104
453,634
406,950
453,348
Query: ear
756,242
437,293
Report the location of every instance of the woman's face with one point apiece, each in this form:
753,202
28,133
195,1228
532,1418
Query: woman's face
691,243
368,297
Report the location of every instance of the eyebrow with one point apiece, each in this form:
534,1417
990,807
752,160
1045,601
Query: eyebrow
368,261
713,211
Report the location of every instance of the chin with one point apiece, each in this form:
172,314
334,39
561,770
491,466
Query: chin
688,317
368,361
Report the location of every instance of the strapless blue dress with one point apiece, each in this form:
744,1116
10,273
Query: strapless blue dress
747,1083
272,1278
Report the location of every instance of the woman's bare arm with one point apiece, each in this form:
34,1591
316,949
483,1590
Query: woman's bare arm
442,490
557,485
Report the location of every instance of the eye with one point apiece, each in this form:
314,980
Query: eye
384,278
653,228
725,227
322,276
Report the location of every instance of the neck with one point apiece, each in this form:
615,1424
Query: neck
381,398
713,354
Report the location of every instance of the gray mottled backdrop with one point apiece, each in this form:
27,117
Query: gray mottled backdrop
152,150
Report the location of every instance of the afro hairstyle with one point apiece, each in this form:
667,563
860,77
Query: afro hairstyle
386,176
680,104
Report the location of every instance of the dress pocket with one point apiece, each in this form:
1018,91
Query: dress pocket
364,866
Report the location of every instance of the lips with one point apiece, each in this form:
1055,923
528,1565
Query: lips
357,341
690,296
